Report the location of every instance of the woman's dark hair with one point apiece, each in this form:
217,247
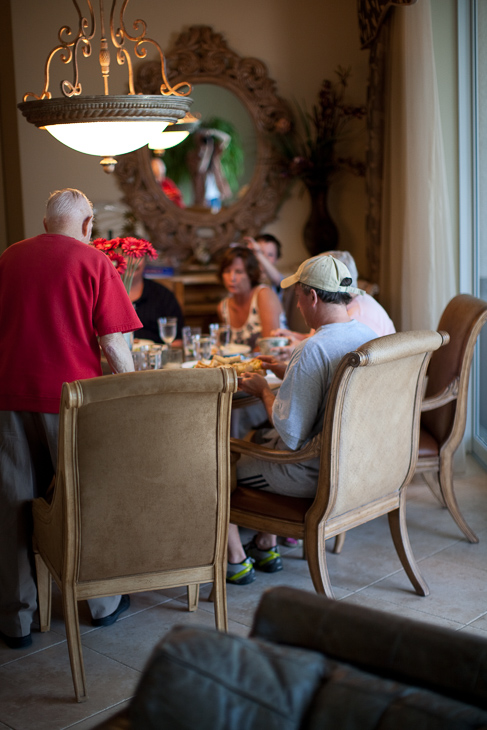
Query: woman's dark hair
269,238
338,297
249,261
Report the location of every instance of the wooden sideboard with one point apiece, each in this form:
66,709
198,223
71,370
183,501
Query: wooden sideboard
198,294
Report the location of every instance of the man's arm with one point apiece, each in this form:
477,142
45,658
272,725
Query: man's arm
117,353
271,271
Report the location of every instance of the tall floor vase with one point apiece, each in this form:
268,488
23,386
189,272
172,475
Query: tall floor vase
320,232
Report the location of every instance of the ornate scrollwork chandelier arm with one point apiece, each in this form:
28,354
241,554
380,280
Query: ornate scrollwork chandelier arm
140,27
68,49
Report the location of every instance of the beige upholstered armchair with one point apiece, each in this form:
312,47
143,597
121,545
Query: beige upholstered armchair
445,407
368,455
141,500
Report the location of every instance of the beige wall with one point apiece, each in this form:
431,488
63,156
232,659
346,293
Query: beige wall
301,43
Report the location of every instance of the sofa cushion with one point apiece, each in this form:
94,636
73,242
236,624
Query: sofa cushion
200,678
357,700
453,663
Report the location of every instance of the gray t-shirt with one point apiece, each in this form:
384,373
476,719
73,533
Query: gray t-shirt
299,408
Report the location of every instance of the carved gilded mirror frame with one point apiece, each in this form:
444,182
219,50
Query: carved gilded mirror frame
202,56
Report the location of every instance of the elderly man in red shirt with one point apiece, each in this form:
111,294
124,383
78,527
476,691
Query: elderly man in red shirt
57,297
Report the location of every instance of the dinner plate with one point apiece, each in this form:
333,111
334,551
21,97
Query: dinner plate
141,343
233,349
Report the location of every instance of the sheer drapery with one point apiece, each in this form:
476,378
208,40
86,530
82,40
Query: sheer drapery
417,258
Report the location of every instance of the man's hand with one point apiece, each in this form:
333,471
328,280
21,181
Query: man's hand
253,245
256,385
253,384
270,363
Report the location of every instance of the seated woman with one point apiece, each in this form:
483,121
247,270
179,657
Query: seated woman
252,309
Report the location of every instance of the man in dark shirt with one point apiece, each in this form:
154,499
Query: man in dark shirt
153,300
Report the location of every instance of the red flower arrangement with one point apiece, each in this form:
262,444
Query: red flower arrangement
125,254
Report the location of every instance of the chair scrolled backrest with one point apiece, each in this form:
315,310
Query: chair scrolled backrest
463,318
371,426
144,458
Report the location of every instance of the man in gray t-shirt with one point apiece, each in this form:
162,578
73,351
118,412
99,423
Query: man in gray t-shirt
323,290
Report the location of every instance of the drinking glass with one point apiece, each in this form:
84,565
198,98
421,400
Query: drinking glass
202,346
141,359
224,334
167,328
214,333
188,341
174,359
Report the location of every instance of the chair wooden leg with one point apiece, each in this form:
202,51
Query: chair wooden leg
71,619
193,596
431,479
220,598
316,556
339,543
400,537
44,593
448,494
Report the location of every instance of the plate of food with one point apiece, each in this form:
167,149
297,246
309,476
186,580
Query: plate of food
251,365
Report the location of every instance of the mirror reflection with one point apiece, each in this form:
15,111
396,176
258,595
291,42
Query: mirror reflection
212,168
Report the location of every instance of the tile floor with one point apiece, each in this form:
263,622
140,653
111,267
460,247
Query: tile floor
36,691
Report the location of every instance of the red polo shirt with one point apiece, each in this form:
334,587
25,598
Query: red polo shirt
56,295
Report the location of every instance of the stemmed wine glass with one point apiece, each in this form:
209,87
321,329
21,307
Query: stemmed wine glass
167,328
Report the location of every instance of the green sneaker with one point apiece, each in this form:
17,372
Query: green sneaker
240,574
268,561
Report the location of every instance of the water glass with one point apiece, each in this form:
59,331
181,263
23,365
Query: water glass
214,333
188,341
174,358
224,335
202,346
141,359
158,354
168,327
129,339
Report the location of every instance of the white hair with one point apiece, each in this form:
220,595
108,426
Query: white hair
346,258
66,205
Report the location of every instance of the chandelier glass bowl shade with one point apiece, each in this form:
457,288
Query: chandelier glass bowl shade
105,125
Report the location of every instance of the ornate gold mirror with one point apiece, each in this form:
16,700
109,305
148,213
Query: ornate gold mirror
239,91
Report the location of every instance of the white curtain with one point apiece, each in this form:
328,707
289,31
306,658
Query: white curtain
418,259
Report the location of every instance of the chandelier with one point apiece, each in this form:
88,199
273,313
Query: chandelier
105,125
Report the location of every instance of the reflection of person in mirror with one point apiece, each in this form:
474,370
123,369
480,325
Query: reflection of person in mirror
210,186
168,187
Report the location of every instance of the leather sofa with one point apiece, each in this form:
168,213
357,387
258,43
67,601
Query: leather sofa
313,663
